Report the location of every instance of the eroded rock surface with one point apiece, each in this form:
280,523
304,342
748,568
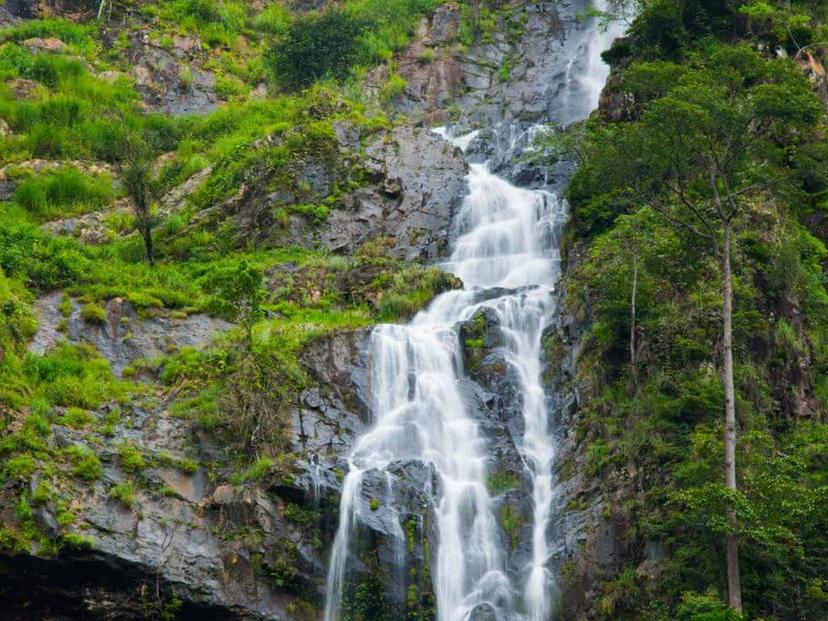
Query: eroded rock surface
123,336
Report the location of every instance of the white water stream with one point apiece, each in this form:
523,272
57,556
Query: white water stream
506,253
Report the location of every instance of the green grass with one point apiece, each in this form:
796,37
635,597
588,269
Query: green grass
130,458
73,375
258,470
93,313
77,418
63,193
85,463
123,493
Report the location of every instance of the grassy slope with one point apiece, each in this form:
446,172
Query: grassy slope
59,107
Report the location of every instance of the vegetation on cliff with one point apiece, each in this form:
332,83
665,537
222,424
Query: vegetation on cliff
707,161
81,147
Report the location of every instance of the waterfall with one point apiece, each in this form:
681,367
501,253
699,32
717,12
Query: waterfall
506,252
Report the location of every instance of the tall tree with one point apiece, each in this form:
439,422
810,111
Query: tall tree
707,143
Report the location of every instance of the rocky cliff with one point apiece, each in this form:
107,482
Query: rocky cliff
169,527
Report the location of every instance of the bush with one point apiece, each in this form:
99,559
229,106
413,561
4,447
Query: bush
85,463
316,45
93,313
77,418
130,457
258,470
123,493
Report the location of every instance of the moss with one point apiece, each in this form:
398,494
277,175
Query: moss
511,521
181,463
501,481
374,504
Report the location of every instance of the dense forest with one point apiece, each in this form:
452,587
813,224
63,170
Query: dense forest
205,205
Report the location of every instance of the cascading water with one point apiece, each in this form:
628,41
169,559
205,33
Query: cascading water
506,254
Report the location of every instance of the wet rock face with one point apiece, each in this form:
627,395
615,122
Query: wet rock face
413,183
483,612
185,544
494,387
390,564
332,414
512,75
419,184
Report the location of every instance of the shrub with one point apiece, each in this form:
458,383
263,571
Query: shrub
93,313
130,457
123,493
316,45
63,193
77,418
85,463
258,470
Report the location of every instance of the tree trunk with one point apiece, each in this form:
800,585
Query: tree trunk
146,233
633,358
734,586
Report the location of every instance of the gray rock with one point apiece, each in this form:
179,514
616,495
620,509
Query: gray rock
483,612
417,183
124,337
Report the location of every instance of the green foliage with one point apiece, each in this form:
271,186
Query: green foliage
84,462
692,91
20,468
64,193
123,493
316,45
258,470
73,376
238,292
77,418
705,110
705,607
331,43
410,289
393,89
93,313
130,458
73,541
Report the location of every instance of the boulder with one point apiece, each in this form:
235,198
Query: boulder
50,44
